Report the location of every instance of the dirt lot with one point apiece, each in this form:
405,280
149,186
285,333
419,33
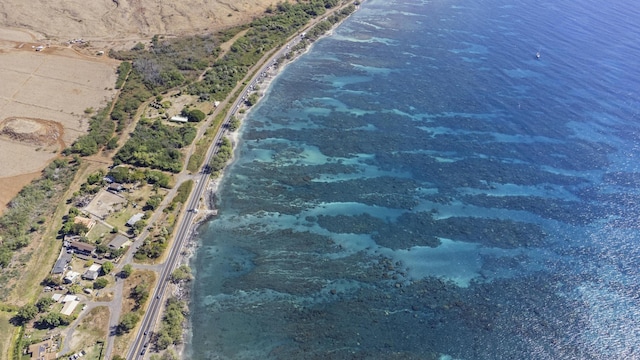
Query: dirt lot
92,328
104,203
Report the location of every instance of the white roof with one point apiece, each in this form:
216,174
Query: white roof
95,267
68,308
179,118
71,274
69,298
56,297
135,218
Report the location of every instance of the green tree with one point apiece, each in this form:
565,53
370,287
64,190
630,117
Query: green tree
127,270
43,303
27,312
107,266
252,99
181,273
128,322
54,319
100,283
153,202
234,124
195,115
75,289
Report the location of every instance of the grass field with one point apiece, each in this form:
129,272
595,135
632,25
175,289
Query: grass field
6,334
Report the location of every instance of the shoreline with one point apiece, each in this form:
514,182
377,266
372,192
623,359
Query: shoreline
189,253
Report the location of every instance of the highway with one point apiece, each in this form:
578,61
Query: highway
141,342
139,348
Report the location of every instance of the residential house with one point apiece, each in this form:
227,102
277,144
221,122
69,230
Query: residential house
69,306
115,187
92,272
134,219
70,277
59,266
81,248
119,242
44,350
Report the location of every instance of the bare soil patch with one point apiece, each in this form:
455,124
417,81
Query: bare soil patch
105,203
92,327
42,101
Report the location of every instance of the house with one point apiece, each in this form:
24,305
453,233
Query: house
134,219
81,248
69,298
119,242
71,238
90,275
178,118
92,272
89,223
56,297
44,350
95,267
59,266
115,187
68,307
70,277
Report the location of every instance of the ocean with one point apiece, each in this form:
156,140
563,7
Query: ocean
420,185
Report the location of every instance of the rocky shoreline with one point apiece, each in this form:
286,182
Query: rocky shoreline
182,291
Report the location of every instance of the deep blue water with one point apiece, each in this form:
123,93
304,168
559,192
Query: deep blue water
420,186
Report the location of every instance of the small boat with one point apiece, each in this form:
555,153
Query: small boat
538,55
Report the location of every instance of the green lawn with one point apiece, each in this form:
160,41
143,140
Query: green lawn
120,218
100,230
6,330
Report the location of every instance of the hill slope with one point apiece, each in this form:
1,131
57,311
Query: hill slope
116,19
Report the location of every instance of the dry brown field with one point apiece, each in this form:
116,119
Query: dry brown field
43,98
51,88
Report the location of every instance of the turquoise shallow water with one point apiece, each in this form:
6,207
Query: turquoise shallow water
420,186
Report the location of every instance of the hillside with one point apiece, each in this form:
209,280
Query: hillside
119,19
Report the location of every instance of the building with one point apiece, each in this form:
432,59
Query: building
90,275
56,297
59,266
95,267
45,350
92,272
115,187
68,307
119,242
134,219
69,298
70,277
180,119
71,238
81,248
